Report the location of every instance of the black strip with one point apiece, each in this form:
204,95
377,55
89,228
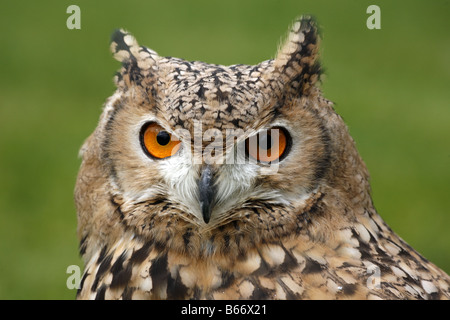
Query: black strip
122,278
140,255
101,293
104,266
159,272
176,290
312,267
82,283
83,245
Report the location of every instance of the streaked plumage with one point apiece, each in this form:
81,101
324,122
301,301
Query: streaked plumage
307,230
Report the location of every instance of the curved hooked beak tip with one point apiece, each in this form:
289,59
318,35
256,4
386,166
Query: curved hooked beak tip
207,192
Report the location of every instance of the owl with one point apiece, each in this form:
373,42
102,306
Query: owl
206,181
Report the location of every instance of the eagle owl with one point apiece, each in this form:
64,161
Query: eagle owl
205,181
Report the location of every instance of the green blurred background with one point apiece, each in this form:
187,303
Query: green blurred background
390,85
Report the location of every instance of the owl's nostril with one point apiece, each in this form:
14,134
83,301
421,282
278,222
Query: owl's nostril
207,192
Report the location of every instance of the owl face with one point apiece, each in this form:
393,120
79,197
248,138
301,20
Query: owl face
189,147
208,173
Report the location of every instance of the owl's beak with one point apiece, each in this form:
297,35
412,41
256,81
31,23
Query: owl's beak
207,192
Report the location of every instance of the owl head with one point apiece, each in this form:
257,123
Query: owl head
195,156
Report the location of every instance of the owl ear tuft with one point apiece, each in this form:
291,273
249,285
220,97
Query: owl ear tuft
137,62
296,64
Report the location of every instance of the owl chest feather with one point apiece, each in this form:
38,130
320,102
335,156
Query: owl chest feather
357,264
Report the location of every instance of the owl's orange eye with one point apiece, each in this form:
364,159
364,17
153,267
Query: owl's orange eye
157,142
269,145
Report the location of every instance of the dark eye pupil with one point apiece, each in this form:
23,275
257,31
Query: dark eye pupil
163,138
265,141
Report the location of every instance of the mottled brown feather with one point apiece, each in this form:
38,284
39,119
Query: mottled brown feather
308,231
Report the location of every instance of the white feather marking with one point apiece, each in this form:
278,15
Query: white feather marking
362,232
246,289
273,255
188,276
146,284
429,287
252,263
